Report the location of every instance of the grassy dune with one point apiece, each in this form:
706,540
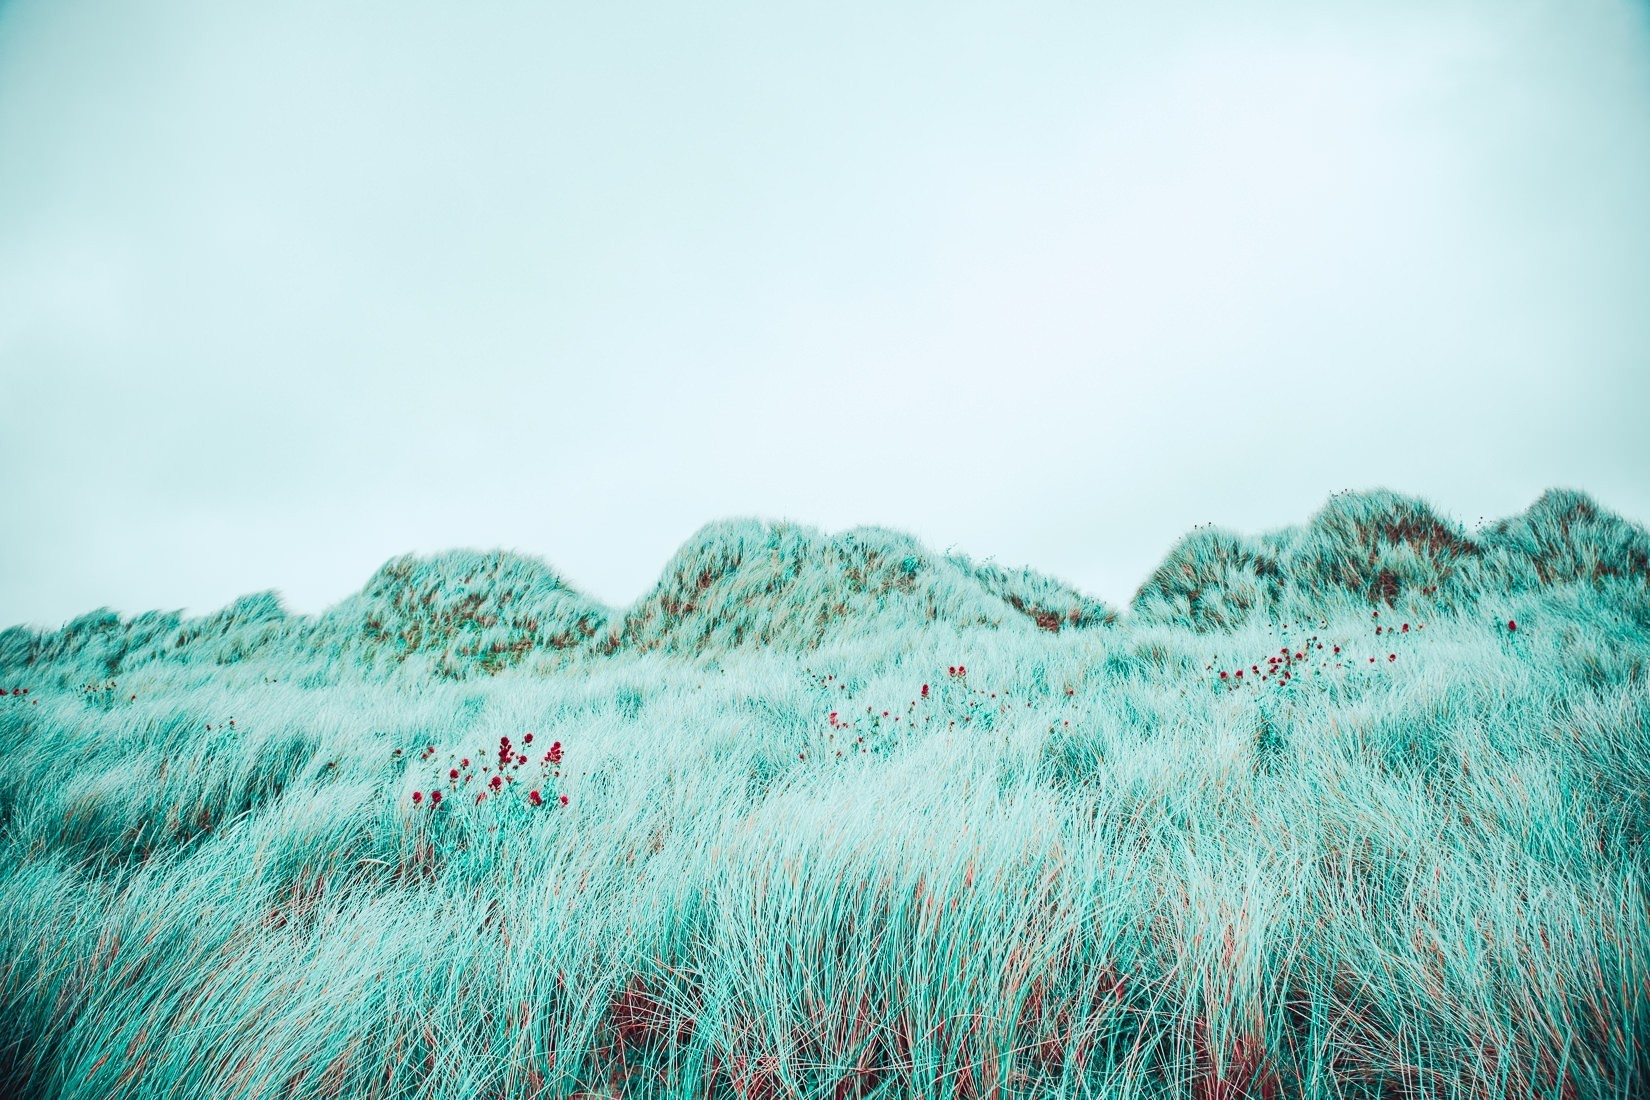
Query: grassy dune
1354,809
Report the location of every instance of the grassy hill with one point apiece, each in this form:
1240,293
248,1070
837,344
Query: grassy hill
1353,809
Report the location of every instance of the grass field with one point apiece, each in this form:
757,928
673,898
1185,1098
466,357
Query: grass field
1355,809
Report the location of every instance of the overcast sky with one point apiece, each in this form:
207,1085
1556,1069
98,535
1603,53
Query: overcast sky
289,289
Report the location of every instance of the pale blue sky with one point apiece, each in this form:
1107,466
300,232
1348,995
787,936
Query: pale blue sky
288,289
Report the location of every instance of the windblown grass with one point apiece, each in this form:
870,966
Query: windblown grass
1082,863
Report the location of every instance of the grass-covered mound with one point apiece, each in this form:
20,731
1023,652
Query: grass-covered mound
747,583
1357,809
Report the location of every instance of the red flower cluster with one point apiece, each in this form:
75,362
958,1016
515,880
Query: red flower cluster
509,763
1288,664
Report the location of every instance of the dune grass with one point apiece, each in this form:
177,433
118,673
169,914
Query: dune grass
911,858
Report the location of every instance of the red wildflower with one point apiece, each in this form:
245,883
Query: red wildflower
1405,630
533,797
498,781
435,798
555,752
1511,625
563,800
925,691
452,773
418,796
527,740
464,763
1391,656
1223,675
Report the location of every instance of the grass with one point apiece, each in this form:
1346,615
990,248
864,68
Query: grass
1086,866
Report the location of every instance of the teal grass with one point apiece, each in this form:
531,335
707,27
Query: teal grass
1082,863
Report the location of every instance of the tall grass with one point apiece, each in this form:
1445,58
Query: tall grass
1087,866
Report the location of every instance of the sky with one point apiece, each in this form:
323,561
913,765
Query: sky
289,290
